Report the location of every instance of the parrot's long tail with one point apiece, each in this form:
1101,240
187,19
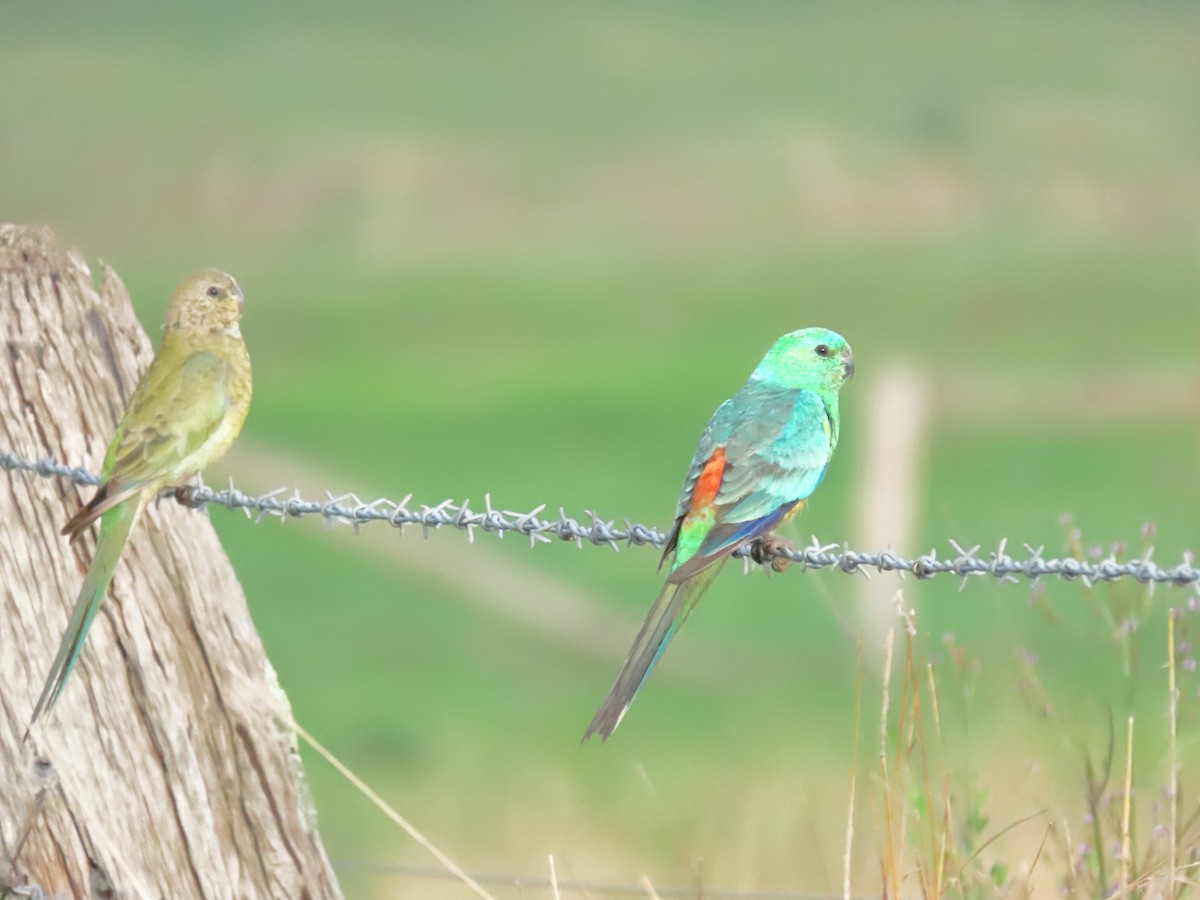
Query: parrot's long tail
115,526
674,604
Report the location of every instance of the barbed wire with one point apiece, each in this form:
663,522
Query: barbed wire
412,871
350,509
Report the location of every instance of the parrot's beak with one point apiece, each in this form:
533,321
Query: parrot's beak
848,363
241,301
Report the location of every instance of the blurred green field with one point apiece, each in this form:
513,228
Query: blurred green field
526,249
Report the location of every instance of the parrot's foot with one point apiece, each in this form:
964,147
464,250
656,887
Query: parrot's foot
763,551
185,495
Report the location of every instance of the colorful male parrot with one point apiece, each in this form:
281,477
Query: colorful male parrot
185,412
762,454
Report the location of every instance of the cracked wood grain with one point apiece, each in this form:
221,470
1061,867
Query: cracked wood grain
165,770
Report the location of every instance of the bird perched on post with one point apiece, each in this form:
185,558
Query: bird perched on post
762,454
185,412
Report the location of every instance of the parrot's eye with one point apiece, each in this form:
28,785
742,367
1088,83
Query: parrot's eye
821,350
214,291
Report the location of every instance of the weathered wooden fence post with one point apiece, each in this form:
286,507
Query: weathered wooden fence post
167,769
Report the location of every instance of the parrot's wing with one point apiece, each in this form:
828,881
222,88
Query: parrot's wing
767,449
772,466
712,439
173,411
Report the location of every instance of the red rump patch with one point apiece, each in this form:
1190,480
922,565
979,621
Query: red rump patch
709,481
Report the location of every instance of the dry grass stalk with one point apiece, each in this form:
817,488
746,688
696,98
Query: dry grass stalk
391,813
1172,758
1125,812
890,863
858,667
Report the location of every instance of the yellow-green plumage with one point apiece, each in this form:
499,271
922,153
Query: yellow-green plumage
185,413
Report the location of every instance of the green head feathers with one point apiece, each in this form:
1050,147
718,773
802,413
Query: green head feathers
814,358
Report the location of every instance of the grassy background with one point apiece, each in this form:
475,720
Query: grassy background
525,249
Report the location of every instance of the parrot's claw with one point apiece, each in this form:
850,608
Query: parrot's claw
185,495
764,551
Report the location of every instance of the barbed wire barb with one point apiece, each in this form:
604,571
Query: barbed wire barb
350,509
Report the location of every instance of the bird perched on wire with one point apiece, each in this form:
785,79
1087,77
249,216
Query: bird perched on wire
185,412
762,454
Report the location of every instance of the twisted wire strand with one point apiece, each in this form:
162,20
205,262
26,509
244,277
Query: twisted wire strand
350,509
397,870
